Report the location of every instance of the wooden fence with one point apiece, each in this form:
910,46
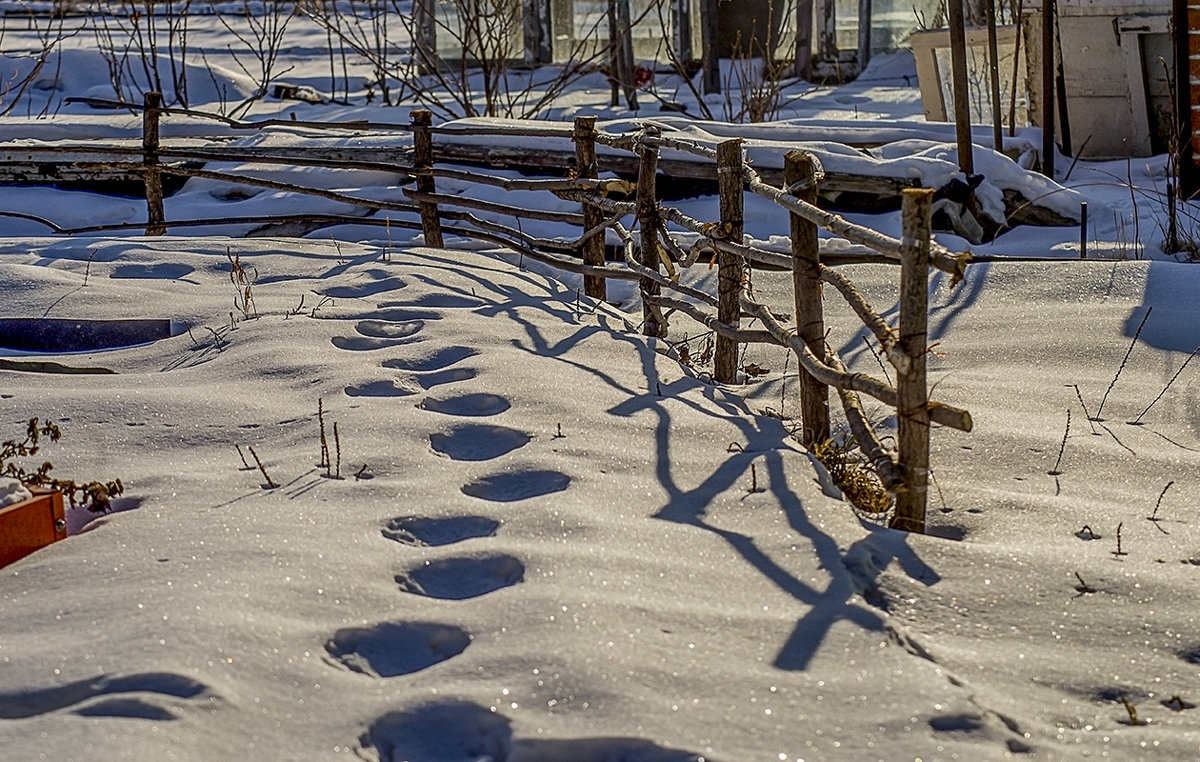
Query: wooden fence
652,258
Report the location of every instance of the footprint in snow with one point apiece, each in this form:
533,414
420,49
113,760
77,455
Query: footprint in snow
482,734
397,334
388,329
438,359
457,579
158,271
370,288
391,649
479,404
439,301
512,486
477,441
420,531
105,697
378,389
439,377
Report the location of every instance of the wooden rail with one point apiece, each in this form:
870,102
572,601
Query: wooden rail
654,256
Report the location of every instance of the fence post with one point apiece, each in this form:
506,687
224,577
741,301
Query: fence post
584,136
729,266
151,176
431,223
653,323
801,173
912,395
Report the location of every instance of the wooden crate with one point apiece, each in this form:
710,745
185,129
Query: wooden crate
31,524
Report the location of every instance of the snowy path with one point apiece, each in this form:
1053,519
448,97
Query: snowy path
559,551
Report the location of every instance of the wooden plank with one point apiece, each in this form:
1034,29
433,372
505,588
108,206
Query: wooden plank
31,524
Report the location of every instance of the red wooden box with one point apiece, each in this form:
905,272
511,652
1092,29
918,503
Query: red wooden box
31,524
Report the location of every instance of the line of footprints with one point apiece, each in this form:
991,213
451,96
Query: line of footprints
393,649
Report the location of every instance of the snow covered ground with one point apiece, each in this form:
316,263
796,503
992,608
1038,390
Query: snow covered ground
551,541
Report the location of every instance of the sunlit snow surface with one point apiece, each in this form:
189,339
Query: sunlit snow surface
551,541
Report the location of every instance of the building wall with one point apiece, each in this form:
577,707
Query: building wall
1193,13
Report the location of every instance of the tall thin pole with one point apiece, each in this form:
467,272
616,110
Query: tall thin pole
681,30
962,97
994,71
1017,79
804,33
864,33
1048,13
709,33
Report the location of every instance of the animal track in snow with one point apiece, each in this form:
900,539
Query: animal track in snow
457,579
438,359
369,288
396,648
378,389
512,486
421,531
479,404
477,441
19,704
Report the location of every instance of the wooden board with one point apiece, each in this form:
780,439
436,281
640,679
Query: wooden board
31,524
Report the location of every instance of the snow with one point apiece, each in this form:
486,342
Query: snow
12,491
549,539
